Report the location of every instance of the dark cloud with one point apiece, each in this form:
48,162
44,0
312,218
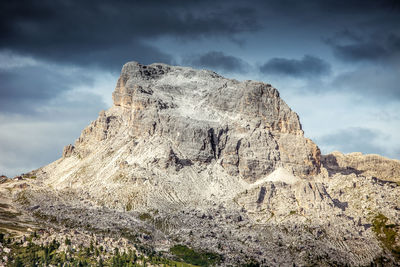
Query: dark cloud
376,47
111,58
358,6
354,140
375,79
344,36
308,66
109,33
328,15
217,61
24,89
360,52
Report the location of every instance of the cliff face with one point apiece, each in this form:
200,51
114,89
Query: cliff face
187,156
243,126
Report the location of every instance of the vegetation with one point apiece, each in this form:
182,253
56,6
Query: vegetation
387,234
145,216
29,176
31,253
194,257
128,206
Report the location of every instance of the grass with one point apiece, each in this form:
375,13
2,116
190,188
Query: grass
199,258
128,206
145,216
387,234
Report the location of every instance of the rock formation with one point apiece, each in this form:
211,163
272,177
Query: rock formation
180,132
367,165
187,156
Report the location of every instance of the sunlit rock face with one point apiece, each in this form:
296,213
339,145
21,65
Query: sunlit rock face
184,126
219,164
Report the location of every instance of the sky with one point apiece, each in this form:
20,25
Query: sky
336,63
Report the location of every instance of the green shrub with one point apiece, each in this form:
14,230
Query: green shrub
195,257
386,233
145,216
128,206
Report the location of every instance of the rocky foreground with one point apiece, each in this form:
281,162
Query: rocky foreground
188,162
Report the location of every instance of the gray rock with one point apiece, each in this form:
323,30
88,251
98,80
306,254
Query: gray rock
244,126
219,164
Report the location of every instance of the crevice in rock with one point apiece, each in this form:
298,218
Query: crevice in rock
261,195
213,143
239,143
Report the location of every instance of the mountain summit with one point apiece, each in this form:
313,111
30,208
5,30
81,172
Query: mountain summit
178,136
188,158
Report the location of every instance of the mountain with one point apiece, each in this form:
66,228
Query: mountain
187,161
177,136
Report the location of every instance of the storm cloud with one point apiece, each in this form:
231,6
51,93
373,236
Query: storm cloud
305,67
217,61
105,33
109,33
375,48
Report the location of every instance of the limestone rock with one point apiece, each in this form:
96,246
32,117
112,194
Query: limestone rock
222,165
68,150
186,127
368,165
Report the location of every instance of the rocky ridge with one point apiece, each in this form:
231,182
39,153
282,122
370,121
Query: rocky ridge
366,165
187,156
